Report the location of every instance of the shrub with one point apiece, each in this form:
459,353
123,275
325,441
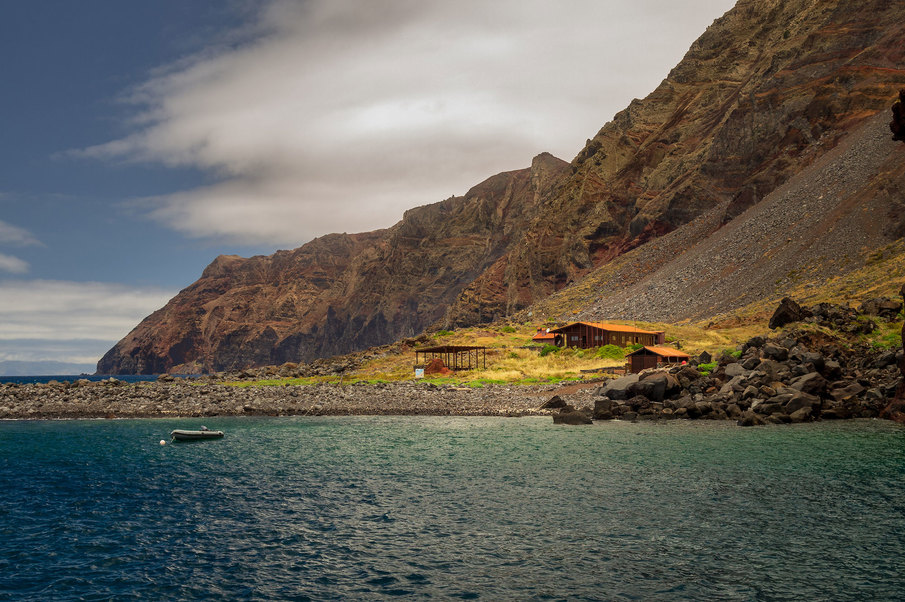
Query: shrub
443,333
634,347
507,329
610,352
706,369
548,349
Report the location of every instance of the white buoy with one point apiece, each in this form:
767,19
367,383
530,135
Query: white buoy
163,441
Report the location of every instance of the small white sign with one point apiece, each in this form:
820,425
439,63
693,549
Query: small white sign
419,372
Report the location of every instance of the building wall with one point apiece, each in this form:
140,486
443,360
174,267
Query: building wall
582,336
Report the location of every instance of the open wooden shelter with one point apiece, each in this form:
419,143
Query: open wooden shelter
456,357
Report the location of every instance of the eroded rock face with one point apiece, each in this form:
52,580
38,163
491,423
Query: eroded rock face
340,292
770,87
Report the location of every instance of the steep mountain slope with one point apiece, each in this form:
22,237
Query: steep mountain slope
339,292
826,222
768,89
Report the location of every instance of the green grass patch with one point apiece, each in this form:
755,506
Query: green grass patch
706,369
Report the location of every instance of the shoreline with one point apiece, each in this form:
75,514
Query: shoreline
180,399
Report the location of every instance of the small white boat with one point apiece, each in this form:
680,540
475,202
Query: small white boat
204,433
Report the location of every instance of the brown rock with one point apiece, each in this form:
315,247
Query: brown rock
897,125
788,312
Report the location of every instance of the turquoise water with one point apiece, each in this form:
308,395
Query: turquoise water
451,508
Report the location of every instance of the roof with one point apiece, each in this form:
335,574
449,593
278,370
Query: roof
663,351
606,326
448,349
543,336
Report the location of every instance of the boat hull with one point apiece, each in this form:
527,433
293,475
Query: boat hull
181,435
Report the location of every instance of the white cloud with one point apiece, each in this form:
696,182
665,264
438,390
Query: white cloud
13,235
51,319
339,115
14,265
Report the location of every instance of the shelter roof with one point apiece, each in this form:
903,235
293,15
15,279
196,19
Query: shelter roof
449,348
663,351
606,326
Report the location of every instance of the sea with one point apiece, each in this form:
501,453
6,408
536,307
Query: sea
446,508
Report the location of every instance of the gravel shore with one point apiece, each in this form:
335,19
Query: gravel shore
184,398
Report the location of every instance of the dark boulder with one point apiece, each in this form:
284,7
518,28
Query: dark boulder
811,383
775,352
555,403
799,401
616,388
756,342
885,359
883,307
770,368
847,392
801,415
749,418
652,389
832,370
750,363
571,416
814,359
734,369
637,403
603,409
788,312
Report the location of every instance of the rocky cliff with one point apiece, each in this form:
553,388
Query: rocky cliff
339,292
768,89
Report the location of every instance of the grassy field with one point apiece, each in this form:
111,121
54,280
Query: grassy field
513,358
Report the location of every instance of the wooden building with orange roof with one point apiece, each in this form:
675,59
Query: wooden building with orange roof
544,336
655,357
597,334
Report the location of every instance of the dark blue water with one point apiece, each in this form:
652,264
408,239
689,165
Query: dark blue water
449,508
129,378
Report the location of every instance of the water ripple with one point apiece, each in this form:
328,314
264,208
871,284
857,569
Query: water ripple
374,508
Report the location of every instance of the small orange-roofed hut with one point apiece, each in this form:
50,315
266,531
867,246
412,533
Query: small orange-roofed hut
545,337
654,357
597,334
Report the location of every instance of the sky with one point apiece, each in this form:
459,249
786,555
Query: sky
139,140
